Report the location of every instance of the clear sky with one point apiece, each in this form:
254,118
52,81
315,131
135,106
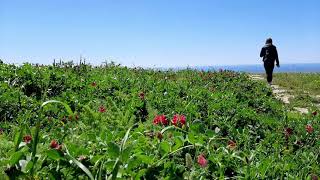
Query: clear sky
159,32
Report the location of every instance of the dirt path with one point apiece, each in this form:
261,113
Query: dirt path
279,93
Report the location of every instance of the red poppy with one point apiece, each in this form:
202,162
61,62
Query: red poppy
202,161
314,113
160,119
93,84
141,95
102,109
231,144
77,117
309,128
27,139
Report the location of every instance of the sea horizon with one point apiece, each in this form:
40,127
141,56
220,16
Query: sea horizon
258,68
249,68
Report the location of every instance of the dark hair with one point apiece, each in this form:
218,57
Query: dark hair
269,41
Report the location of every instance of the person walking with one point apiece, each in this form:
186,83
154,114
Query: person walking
269,56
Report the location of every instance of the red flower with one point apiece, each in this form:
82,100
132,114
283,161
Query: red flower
27,139
160,119
93,84
202,161
55,145
309,128
288,132
314,113
231,144
102,109
155,121
164,120
178,119
141,95
77,117
175,119
182,119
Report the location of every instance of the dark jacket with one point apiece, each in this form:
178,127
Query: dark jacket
269,54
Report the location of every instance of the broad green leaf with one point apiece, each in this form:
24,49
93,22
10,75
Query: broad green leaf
113,150
18,139
145,159
126,154
178,143
165,146
15,157
54,154
28,166
192,138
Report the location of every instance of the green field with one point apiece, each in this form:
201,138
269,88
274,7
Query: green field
305,87
112,122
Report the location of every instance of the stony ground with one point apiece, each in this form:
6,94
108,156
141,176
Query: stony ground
279,93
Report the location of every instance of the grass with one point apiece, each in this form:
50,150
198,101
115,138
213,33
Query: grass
299,82
113,122
305,87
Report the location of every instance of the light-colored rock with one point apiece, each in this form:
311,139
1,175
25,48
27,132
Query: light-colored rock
301,110
284,98
256,77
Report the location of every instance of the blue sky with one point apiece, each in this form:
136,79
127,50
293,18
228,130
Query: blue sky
159,32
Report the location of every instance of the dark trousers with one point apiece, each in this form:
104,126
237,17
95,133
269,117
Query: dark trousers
269,66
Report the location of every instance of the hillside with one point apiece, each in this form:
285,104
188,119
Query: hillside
93,122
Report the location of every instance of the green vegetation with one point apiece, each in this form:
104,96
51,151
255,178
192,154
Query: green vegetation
112,122
305,87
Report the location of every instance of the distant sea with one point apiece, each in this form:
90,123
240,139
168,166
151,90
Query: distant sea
258,68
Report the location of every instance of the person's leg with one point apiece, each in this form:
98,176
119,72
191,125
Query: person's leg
266,68
270,73
269,70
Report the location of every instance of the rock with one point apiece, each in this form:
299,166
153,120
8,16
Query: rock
301,110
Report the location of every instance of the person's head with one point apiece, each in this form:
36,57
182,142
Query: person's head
269,41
